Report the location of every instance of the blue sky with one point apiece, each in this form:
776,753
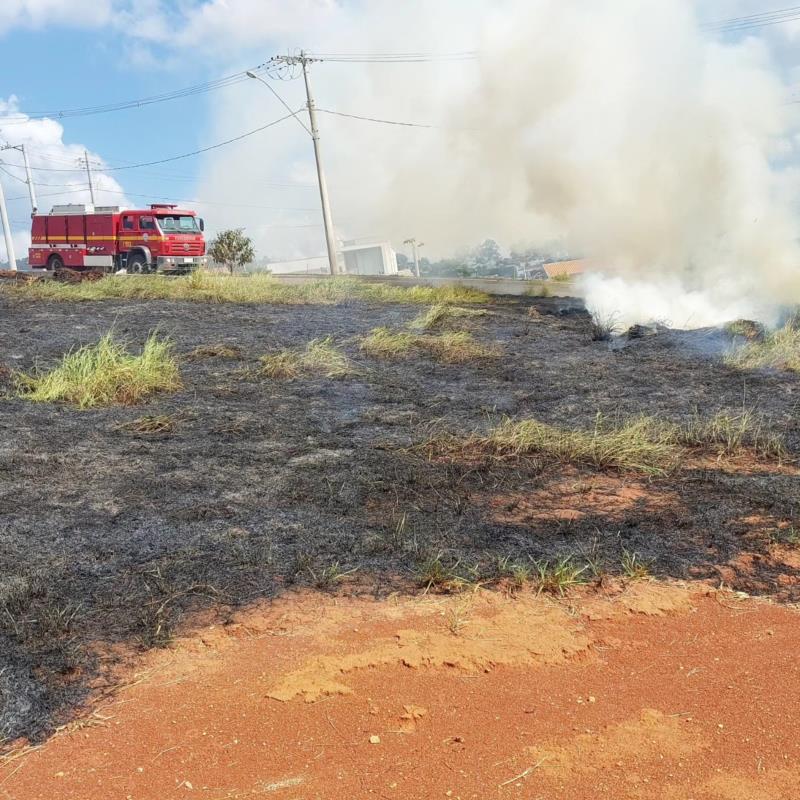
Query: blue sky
57,54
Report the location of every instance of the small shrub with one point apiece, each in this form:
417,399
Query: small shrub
562,277
320,357
105,374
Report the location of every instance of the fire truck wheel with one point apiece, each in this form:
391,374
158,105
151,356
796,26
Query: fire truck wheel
55,263
137,263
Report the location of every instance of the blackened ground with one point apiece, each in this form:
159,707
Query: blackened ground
108,538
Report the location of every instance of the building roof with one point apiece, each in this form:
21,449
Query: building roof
575,267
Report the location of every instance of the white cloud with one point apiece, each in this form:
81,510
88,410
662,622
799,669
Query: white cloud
57,174
41,13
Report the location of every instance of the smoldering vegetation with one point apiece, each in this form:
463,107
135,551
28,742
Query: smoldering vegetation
556,461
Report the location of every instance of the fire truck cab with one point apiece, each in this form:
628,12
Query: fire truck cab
162,238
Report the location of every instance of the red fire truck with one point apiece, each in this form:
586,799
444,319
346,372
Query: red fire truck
162,238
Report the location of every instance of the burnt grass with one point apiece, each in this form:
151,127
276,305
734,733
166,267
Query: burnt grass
112,540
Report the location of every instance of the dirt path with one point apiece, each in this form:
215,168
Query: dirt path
659,691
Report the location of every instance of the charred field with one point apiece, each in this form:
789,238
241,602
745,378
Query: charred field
122,525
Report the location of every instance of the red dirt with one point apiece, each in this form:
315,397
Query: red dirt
660,691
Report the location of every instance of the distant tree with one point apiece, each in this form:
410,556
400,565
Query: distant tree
403,261
232,249
486,257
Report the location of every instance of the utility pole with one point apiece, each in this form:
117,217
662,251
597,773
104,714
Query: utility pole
12,261
89,174
29,179
415,249
330,236
28,176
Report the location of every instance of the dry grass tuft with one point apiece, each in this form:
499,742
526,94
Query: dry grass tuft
779,349
217,350
152,424
603,327
443,316
454,347
319,357
105,374
384,343
746,328
208,287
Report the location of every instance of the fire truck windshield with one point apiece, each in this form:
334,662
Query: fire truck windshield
178,224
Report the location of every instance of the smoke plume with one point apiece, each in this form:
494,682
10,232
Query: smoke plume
624,131
618,130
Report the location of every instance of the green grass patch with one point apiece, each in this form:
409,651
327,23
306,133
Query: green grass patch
732,433
641,444
634,567
208,287
105,374
778,349
560,576
318,357
637,445
453,347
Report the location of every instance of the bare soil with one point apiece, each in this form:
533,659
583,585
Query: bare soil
113,541
644,692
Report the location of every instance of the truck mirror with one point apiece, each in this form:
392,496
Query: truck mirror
202,224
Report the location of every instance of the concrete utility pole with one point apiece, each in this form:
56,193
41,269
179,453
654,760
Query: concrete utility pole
12,261
89,175
330,236
28,176
415,248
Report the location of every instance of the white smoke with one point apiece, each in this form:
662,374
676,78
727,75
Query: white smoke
621,129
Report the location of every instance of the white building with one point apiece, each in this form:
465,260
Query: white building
356,257
369,257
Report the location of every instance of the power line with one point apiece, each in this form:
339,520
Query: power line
395,58
178,157
188,91
383,121
753,21
373,119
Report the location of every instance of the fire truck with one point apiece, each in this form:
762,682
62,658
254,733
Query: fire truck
162,238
